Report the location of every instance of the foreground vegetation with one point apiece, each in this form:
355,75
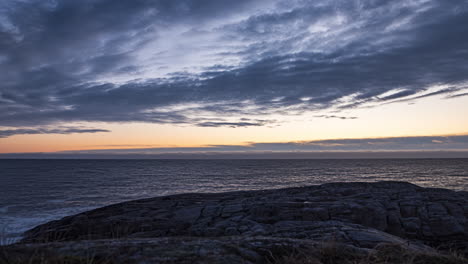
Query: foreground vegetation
327,253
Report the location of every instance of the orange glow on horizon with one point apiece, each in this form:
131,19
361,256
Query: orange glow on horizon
428,117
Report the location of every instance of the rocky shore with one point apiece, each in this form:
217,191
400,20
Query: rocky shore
330,223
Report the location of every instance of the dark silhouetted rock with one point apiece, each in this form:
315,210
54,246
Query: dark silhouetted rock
358,215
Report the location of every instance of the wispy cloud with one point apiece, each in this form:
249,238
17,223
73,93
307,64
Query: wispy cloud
244,122
424,143
335,117
458,95
62,130
128,61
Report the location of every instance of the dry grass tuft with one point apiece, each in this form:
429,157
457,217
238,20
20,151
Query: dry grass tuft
324,253
47,257
334,253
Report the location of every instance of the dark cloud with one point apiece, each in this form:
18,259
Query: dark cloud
32,131
94,60
335,117
432,143
244,122
229,124
458,95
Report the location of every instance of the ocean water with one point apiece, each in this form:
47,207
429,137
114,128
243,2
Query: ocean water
33,192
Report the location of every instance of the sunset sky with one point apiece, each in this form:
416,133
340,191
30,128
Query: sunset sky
165,76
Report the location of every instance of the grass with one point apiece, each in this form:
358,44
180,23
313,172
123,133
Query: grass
328,252
44,256
41,256
382,254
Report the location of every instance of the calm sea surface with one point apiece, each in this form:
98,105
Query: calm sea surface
36,191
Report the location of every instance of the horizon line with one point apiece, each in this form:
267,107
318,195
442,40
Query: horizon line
423,154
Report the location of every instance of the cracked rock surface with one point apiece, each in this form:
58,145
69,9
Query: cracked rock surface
358,215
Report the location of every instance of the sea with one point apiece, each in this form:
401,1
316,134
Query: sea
33,192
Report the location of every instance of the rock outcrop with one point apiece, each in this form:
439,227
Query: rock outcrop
360,216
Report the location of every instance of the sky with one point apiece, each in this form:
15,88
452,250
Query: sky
245,76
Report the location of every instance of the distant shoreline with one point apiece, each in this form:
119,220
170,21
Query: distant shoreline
247,155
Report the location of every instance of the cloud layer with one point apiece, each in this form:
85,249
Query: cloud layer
431,143
35,131
218,63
